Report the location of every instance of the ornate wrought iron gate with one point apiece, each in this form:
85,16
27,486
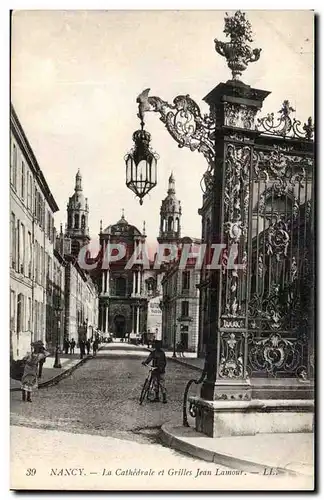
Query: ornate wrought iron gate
268,203
256,315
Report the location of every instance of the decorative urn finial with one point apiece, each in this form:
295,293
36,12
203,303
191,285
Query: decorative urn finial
237,51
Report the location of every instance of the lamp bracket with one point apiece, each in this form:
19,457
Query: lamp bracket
184,122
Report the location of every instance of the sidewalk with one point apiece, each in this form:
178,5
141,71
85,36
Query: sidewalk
190,359
289,453
50,375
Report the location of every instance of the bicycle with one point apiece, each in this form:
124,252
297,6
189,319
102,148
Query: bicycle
148,389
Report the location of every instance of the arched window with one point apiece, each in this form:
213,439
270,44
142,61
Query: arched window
83,222
176,225
170,223
120,287
76,221
69,220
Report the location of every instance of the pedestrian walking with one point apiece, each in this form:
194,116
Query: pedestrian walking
72,346
158,359
88,345
95,346
66,346
29,381
82,348
180,349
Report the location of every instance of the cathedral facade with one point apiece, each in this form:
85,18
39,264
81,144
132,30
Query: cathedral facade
123,290
130,295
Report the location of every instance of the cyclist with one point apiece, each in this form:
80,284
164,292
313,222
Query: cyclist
158,358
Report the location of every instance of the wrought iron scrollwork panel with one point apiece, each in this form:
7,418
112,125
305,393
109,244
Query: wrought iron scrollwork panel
281,251
235,228
285,125
276,355
184,122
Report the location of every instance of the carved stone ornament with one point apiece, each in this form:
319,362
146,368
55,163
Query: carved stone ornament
238,115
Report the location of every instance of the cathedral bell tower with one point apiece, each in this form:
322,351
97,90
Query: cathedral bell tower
170,215
77,217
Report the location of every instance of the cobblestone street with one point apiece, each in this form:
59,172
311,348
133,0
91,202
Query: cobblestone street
101,397
89,432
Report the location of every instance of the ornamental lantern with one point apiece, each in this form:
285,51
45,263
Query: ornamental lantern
141,164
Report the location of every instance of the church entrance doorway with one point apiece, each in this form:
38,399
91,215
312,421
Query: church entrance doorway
120,326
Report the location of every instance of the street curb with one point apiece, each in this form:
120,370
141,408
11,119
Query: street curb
219,458
55,380
184,363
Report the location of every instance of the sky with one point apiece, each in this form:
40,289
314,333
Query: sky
75,77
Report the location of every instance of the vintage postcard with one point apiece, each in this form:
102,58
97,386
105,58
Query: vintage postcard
162,262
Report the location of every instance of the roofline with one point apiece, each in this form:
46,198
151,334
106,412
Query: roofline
20,136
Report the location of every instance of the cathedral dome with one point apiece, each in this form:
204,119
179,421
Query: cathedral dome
122,227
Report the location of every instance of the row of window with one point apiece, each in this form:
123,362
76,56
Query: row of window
172,283
21,314
83,290
184,308
22,181
30,259
170,224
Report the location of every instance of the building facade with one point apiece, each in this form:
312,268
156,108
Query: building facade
55,301
81,302
180,296
51,297
123,294
180,303
80,292
32,235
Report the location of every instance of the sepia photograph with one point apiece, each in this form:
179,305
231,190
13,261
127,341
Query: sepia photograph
162,250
